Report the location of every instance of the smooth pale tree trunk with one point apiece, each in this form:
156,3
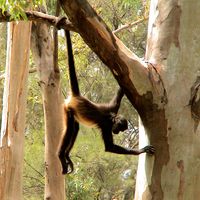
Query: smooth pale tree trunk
173,48
164,90
42,49
14,107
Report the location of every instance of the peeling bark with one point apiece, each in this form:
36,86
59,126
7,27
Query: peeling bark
155,123
195,101
174,127
167,20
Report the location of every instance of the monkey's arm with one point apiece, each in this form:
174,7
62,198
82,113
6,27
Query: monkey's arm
113,148
115,102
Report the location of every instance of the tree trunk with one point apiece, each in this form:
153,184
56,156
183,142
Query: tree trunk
173,49
14,106
165,91
42,48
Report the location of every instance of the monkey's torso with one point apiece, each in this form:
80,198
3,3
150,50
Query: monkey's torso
87,112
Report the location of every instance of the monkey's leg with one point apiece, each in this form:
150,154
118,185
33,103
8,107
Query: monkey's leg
70,166
113,148
67,143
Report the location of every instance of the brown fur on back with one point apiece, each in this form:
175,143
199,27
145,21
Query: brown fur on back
85,111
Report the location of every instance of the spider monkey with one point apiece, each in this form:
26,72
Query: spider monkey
78,109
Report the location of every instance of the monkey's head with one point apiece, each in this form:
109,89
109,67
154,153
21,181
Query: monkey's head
120,124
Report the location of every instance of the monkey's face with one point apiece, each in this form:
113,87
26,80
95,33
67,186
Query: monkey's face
120,124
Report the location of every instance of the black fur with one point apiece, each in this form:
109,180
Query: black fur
72,71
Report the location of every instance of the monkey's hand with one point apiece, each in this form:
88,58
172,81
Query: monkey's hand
148,149
67,164
68,167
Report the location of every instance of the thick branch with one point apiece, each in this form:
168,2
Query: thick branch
127,68
39,16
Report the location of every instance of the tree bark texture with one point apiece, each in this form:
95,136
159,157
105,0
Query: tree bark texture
164,89
173,50
14,111
42,48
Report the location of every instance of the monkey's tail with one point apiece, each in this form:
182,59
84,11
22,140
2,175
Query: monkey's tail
72,71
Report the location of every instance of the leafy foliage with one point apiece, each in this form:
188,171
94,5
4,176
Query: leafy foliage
16,8
118,13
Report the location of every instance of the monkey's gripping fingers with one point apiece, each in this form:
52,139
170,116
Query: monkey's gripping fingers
67,164
148,149
69,167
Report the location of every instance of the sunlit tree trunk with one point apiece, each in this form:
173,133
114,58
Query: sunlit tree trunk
13,116
42,48
173,49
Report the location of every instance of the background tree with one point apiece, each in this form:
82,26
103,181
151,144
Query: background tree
14,107
52,101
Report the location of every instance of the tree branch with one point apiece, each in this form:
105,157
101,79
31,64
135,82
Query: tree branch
126,26
39,16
